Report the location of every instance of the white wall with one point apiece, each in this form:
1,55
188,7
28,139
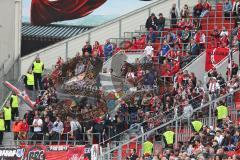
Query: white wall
10,28
10,39
198,67
113,29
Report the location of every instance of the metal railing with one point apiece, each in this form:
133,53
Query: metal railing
161,115
58,138
175,120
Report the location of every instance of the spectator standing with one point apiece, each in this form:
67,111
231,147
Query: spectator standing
133,155
224,41
16,128
234,68
214,88
165,68
213,73
170,37
7,116
37,128
194,48
29,117
219,137
185,37
236,10
185,12
152,22
227,7
98,48
193,51
197,10
224,32
87,48
80,68
149,79
57,129
24,128
149,50
163,52
215,33
174,14
120,125
66,128
151,36
14,105
108,50
206,9
200,39
38,68
76,129
161,22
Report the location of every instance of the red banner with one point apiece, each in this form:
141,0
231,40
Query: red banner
48,11
60,152
214,56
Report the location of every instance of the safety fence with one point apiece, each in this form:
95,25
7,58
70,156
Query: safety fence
177,123
55,138
50,152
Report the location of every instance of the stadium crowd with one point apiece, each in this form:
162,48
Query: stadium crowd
68,109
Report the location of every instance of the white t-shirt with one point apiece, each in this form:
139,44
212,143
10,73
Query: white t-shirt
39,123
224,32
149,50
219,139
213,87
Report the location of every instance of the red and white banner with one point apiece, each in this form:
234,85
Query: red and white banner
60,152
214,56
21,94
48,11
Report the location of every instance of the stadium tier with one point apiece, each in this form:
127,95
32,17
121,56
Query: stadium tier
169,90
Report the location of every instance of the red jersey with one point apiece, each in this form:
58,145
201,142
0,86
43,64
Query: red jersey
207,6
198,37
24,127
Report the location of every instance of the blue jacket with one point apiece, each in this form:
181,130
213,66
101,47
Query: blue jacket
149,79
108,49
151,37
227,6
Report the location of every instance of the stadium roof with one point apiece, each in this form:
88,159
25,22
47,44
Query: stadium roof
51,32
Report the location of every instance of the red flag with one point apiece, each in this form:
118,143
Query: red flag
48,11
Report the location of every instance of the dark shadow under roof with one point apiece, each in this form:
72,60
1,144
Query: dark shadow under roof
57,32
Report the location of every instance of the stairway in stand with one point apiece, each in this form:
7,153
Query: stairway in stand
216,19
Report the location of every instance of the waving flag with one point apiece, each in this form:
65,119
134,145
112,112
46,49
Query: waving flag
48,11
